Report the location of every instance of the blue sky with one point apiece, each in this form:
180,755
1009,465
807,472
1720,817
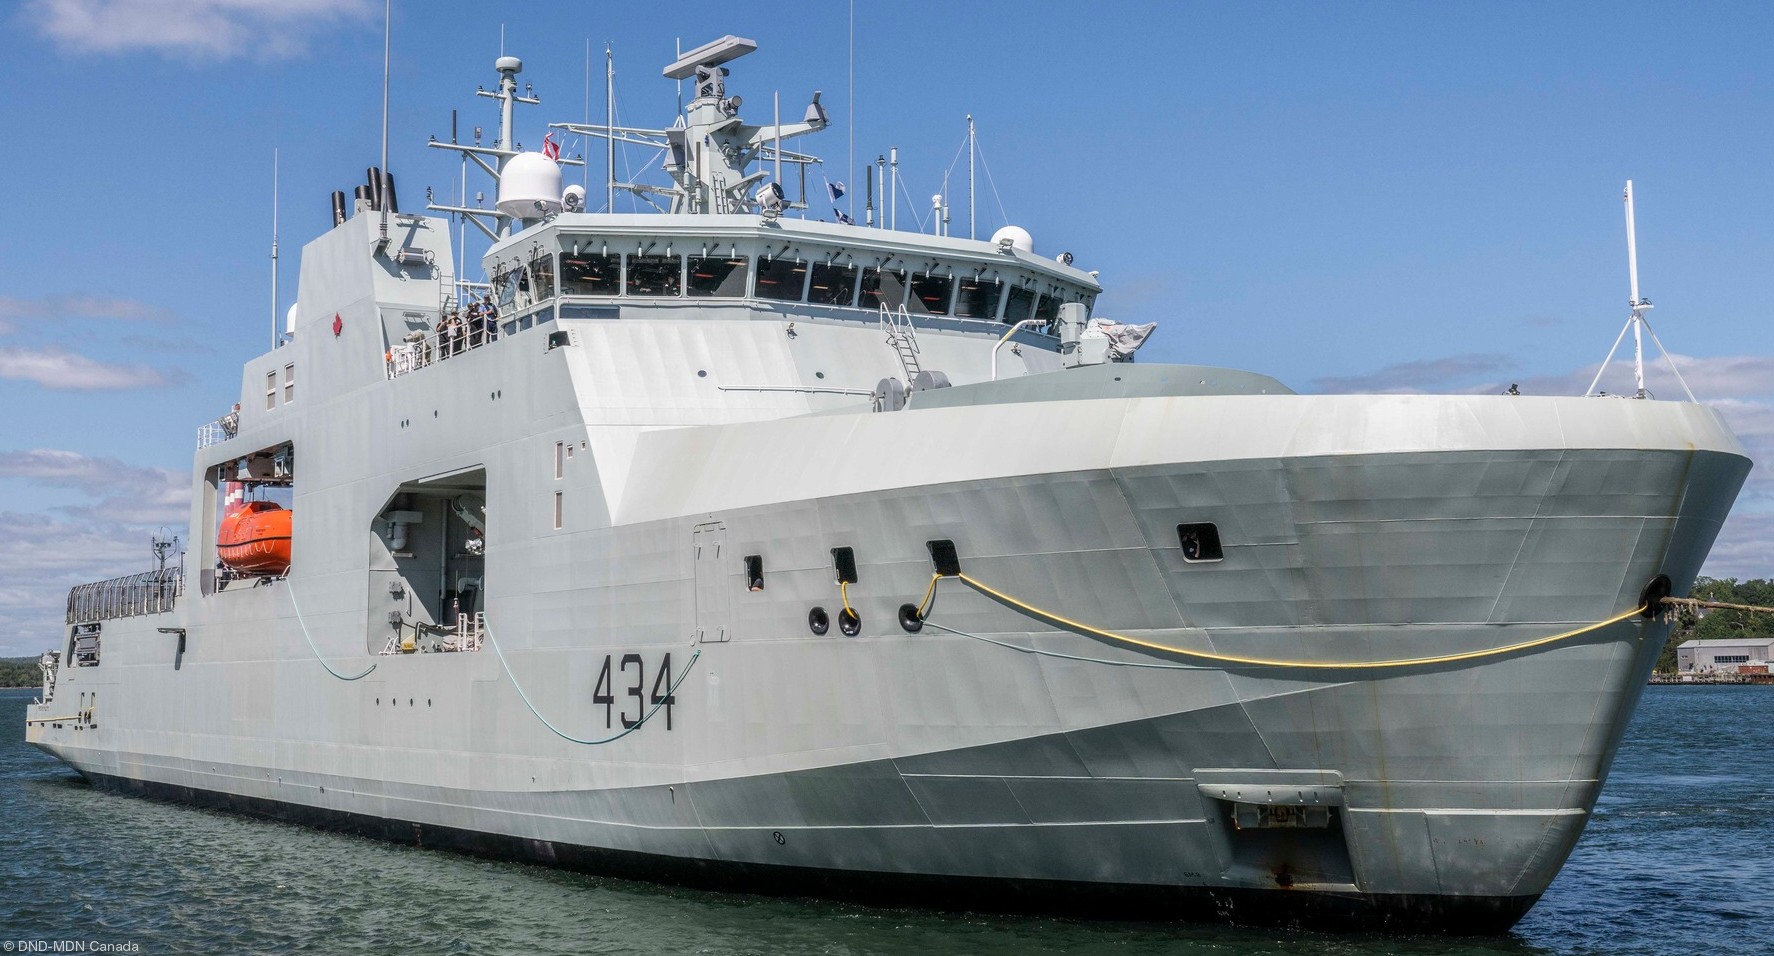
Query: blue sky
1362,197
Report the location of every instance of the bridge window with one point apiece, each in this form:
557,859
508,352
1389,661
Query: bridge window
930,294
717,276
978,298
832,285
589,274
1020,305
505,289
542,278
655,275
1047,309
781,279
882,289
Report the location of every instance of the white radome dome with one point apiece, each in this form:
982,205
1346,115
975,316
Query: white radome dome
530,187
1019,237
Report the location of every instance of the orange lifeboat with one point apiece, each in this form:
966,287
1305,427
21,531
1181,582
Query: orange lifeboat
256,539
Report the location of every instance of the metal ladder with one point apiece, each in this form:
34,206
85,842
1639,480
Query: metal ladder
904,339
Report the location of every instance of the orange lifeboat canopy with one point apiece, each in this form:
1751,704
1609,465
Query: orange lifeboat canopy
256,539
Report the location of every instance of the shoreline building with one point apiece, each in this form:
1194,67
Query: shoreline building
1737,656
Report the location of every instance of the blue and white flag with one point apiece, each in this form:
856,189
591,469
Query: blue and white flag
836,189
846,220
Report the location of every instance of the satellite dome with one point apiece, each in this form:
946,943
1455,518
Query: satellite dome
530,187
1019,237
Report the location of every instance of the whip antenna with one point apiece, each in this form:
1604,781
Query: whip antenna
1637,323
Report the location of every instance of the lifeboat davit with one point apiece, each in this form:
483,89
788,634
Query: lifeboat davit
256,539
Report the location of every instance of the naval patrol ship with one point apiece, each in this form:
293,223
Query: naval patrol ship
727,547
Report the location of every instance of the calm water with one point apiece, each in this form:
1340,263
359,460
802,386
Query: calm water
1677,860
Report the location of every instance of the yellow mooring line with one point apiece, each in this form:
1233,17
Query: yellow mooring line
1070,624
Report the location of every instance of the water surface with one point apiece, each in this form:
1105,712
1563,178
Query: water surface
1676,860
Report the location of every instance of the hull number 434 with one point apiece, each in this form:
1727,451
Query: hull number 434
625,678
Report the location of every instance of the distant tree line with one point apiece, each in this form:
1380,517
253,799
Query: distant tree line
20,672
1720,625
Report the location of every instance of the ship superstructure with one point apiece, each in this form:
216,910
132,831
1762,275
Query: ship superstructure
724,546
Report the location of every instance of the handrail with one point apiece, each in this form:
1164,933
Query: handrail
149,592
220,430
434,347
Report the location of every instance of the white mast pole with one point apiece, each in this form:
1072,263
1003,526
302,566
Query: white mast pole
610,128
387,32
1638,305
776,98
274,247
893,200
971,233
585,170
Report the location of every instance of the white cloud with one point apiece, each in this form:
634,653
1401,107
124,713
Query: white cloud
48,553
189,28
61,369
1744,549
59,307
127,493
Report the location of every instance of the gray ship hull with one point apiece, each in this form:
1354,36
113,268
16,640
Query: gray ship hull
994,757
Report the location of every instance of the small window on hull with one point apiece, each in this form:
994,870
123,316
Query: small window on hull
1199,542
754,572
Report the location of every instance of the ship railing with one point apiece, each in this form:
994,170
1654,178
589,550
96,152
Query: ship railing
470,630
150,592
220,430
421,350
